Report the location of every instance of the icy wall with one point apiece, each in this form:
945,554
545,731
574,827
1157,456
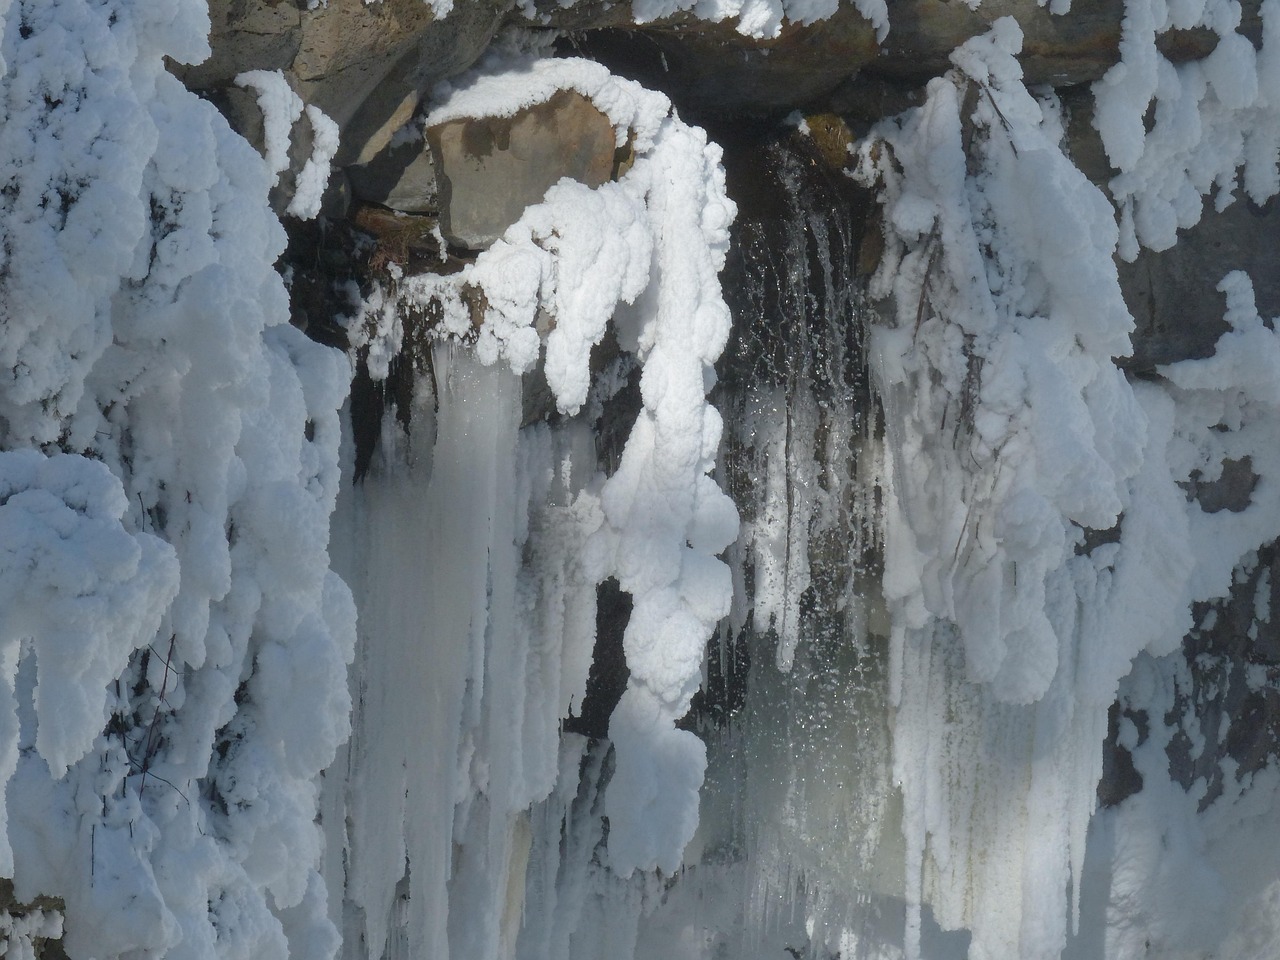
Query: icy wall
605,581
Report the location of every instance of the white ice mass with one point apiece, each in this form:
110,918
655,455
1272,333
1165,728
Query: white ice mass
251,707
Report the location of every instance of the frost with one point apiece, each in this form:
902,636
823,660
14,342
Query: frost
1011,436
314,175
517,528
280,107
281,110
1212,118
1010,430
174,646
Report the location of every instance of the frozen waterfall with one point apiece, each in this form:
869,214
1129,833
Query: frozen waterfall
766,549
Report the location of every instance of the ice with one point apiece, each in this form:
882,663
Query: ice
915,773
520,633
1009,640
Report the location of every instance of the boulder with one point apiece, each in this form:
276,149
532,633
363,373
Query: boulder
491,169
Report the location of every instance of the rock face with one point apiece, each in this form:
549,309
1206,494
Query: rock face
1173,294
365,65
401,176
491,169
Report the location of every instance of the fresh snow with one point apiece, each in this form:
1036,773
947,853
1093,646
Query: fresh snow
174,645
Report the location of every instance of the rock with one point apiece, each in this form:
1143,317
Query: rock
402,176
364,64
1173,294
1231,491
710,68
1230,703
490,169
246,35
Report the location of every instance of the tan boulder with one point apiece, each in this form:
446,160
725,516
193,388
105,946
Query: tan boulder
490,169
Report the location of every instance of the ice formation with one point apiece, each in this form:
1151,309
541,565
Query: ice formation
939,604
174,645
1011,434
645,251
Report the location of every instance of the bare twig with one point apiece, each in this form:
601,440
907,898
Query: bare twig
151,746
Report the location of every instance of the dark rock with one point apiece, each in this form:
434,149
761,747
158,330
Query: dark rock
1229,708
402,176
607,680
1232,491
710,68
1120,778
491,169
1173,294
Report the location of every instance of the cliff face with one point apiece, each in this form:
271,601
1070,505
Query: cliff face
760,478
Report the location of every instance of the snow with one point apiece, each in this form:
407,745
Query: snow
280,107
1010,639
507,567
175,646
314,175
281,110
1211,117
180,663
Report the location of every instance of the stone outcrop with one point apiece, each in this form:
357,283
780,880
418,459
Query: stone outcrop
401,176
364,65
491,169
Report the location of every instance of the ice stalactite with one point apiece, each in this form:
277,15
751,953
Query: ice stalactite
797,846
515,530
1010,433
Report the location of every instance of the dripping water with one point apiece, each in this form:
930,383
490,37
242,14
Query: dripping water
793,709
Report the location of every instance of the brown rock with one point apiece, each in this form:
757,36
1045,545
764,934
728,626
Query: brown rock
490,169
365,65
